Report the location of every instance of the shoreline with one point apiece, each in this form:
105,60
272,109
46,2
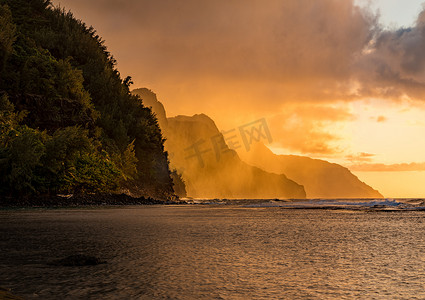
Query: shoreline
82,201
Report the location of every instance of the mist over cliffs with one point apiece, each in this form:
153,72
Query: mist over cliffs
214,173
210,169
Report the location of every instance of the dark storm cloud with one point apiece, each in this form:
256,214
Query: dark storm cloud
395,63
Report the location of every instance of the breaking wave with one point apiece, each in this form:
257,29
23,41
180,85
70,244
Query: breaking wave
354,204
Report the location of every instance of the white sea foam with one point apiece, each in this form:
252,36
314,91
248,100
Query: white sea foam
355,204
386,204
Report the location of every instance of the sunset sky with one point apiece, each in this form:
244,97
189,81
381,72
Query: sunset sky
339,80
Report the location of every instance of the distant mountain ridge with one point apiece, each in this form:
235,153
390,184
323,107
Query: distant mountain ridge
321,179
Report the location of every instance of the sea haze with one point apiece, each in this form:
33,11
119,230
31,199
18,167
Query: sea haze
251,250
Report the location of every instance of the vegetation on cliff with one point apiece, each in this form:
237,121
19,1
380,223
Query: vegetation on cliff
68,123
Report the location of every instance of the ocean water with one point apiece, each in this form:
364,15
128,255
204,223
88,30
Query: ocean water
320,249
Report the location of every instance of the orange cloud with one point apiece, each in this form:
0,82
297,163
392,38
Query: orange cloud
360,157
381,119
305,129
403,167
304,48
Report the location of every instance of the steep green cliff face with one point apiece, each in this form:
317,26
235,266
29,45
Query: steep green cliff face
68,122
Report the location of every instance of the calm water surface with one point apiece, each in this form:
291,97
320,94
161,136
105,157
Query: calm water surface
215,252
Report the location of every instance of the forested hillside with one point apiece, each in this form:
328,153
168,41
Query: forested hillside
68,123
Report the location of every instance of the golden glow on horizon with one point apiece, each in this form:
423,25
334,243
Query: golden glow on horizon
396,184
390,131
